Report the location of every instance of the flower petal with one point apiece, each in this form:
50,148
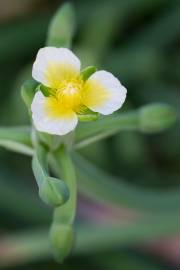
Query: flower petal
59,124
54,64
104,93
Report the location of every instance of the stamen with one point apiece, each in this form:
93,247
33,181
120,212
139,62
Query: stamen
69,93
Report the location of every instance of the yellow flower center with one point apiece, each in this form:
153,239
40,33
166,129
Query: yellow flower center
69,94
65,99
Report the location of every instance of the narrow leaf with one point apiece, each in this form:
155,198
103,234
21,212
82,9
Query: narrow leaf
102,186
61,29
16,139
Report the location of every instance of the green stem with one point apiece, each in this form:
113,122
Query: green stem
66,213
149,119
61,233
87,133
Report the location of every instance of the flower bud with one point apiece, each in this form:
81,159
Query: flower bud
53,191
157,117
62,239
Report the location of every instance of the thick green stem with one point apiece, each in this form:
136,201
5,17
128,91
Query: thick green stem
66,213
61,233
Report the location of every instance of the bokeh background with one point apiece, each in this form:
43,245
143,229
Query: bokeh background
138,41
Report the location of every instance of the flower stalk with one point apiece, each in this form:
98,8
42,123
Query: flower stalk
61,233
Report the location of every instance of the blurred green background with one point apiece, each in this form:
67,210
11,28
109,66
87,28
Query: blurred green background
138,41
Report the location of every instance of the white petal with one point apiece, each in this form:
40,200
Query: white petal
104,93
50,63
43,122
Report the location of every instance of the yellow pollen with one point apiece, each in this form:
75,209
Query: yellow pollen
69,94
67,98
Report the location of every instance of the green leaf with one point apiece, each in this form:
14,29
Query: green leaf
28,90
101,186
16,139
52,191
61,29
87,72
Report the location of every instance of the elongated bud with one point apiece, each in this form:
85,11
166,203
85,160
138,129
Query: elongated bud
157,117
62,240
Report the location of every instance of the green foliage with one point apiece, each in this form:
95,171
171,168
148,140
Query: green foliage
16,139
150,118
138,41
61,29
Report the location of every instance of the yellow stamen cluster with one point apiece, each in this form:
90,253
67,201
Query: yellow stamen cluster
66,98
69,94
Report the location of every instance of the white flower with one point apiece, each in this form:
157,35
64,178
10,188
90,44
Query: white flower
59,69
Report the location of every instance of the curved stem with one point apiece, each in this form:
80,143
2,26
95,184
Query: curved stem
61,233
95,131
66,212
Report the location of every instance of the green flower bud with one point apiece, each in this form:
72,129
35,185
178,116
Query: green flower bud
62,240
157,117
53,191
